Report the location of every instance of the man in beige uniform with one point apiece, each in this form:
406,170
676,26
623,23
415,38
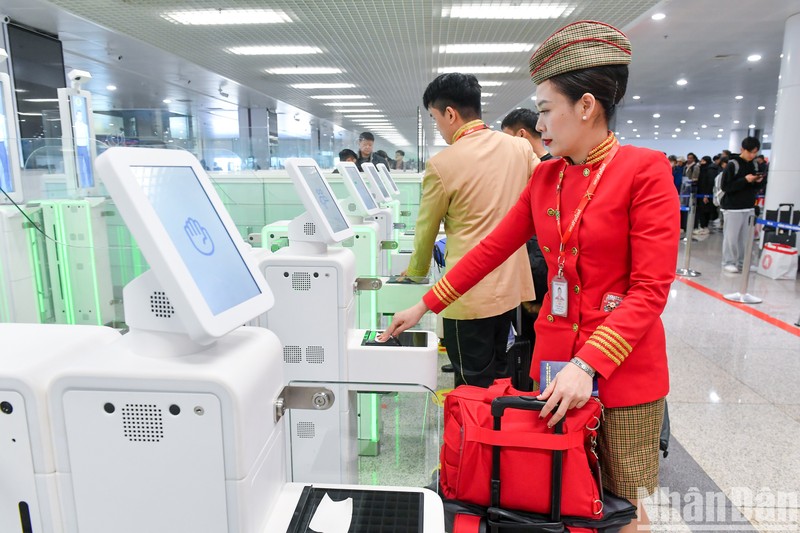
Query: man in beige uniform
472,184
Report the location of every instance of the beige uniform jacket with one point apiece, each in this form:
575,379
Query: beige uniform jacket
472,184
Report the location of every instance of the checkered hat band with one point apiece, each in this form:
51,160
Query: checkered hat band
576,55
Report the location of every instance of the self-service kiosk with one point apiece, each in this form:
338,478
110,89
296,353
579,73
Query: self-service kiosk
29,357
314,317
180,424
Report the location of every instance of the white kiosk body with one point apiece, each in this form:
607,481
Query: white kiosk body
170,428
30,356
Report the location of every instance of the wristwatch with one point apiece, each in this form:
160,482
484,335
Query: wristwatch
580,363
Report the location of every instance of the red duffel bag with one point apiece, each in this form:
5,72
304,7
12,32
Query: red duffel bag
526,453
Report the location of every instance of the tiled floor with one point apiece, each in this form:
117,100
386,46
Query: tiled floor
734,463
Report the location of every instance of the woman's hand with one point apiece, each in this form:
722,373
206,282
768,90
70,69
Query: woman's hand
404,320
572,387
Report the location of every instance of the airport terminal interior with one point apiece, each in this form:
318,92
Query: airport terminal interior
193,276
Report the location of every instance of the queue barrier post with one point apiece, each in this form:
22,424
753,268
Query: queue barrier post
686,270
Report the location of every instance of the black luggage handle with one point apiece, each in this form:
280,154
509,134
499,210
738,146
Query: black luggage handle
527,403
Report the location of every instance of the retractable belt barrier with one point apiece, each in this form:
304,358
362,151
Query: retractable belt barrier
777,225
742,296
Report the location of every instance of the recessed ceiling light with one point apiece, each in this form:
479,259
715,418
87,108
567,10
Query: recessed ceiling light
533,97
304,70
490,83
323,85
697,138
658,16
753,58
764,136
678,130
761,108
636,96
690,108
695,133
111,87
682,82
674,136
363,116
656,115
683,122
635,130
719,136
521,11
273,50
345,111
637,136
629,121
486,48
721,129
217,17
478,70
751,126
498,122
487,94
716,115
167,101
735,121
346,104
738,97
339,96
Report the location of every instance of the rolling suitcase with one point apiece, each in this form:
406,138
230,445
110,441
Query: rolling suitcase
786,214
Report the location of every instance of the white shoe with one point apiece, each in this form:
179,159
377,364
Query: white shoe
730,268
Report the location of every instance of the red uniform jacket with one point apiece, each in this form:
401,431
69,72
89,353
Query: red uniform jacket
625,244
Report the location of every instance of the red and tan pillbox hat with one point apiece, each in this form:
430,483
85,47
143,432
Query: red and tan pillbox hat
582,44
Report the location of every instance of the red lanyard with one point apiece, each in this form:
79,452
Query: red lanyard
576,216
473,129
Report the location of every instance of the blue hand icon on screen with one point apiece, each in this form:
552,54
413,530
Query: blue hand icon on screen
199,236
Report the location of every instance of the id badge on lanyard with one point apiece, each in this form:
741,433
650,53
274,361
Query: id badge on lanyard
558,296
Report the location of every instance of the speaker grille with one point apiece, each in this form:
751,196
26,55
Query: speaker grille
315,354
309,228
142,422
291,354
305,430
160,305
301,281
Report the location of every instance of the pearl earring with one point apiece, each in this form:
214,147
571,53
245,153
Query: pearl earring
583,117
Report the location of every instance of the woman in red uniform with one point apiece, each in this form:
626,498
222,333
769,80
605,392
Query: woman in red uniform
607,219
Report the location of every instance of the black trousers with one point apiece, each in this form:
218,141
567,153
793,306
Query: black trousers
477,348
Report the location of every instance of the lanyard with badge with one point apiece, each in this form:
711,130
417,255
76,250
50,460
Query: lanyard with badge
473,129
558,285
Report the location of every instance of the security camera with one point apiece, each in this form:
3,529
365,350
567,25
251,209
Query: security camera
78,77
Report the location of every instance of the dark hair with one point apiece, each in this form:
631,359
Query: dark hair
673,158
606,83
750,144
383,154
706,158
400,152
366,136
694,156
347,153
459,91
522,118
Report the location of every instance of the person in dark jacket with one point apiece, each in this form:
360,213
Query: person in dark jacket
740,183
706,210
